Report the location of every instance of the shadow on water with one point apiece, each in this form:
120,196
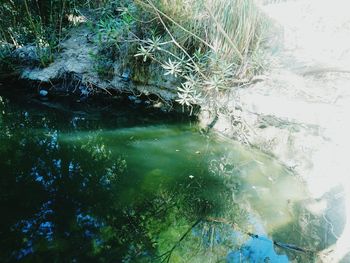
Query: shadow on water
131,188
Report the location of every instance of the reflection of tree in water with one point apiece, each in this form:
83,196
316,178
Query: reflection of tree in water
62,202
49,192
306,231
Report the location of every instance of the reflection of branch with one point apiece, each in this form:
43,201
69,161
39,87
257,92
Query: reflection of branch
331,225
167,255
166,205
252,235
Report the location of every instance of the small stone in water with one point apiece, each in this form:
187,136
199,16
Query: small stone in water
132,98
158,105
43,93
126,75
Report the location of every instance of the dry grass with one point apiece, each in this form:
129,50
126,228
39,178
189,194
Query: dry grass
232,30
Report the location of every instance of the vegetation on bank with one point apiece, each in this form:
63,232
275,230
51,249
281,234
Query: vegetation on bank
205,46
41,24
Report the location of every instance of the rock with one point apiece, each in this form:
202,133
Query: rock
43,93
158,105
126,76
27,55
75,59
132,98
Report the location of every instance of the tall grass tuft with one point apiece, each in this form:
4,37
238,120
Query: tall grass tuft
232,29
236,28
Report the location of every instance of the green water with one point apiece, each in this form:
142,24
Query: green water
127,186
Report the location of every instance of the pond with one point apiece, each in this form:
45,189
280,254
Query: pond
129,184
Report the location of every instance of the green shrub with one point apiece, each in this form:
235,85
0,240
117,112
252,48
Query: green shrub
210,46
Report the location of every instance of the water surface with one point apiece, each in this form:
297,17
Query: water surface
126,184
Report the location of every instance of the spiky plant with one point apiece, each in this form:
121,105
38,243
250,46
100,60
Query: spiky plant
218,42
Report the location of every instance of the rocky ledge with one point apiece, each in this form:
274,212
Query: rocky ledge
74,68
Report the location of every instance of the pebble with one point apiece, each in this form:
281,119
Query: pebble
43,93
